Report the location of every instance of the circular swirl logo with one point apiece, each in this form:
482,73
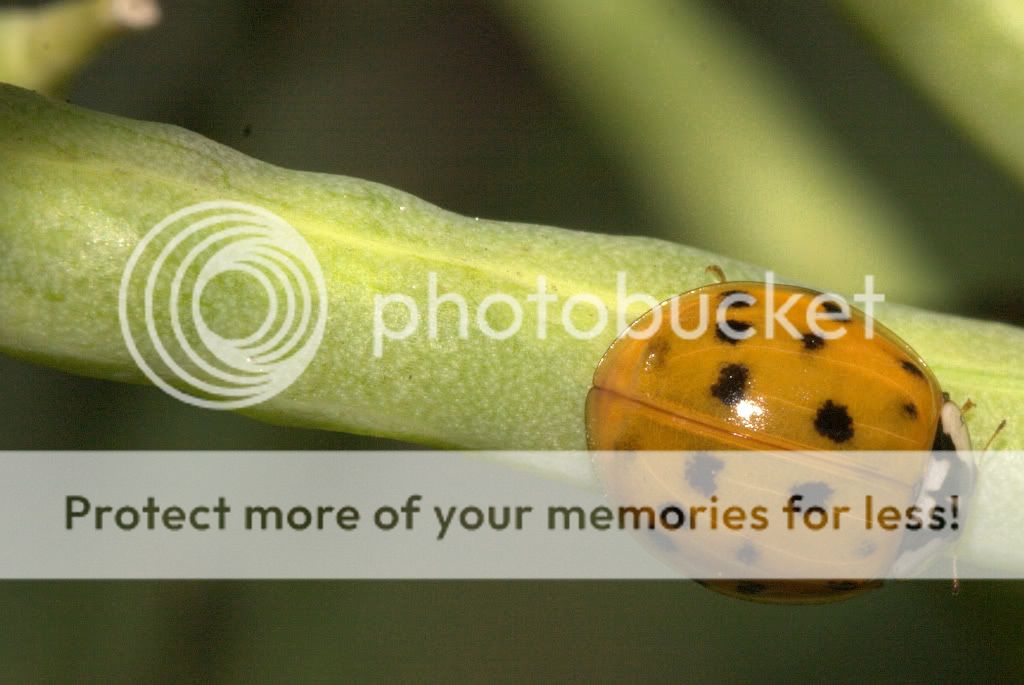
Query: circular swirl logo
262,284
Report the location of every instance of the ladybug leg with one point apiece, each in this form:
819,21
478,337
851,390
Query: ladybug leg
717,272
966,407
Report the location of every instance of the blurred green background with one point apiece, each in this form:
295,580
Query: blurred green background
453,102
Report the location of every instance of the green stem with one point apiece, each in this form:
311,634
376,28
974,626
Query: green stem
721,141
966,56
79,190
43,48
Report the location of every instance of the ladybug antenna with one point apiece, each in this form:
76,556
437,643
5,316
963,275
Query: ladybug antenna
717,272
997,431
969,405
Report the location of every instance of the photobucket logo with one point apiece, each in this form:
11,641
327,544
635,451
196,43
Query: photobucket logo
585,316
171,269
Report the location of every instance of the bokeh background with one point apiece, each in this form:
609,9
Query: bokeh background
459,103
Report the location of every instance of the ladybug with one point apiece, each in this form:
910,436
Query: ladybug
701,373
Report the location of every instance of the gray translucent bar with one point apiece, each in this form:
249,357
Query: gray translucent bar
496,515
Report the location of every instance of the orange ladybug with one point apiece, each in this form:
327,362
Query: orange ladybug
700,372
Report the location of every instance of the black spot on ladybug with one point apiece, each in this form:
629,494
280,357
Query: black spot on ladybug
814,494
730,329
943,441
701,472
750,588
865,549
736,303
657,350
843,585
661,540
732,383
910,410
813,342
834,308
912,368
834,422
747,554
627,446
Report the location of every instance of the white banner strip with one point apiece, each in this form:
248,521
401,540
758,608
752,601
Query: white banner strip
459,515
